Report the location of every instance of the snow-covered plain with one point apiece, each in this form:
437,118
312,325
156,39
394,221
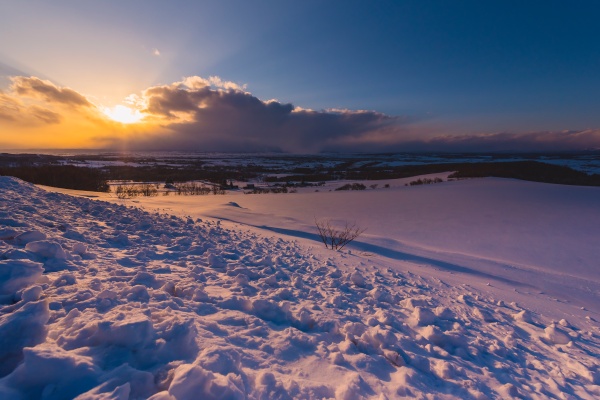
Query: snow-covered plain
587,162
472,289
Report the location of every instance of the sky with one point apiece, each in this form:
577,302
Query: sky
300,77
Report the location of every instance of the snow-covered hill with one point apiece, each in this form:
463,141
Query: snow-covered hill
106,301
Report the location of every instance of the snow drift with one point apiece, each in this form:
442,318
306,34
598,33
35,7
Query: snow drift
105,301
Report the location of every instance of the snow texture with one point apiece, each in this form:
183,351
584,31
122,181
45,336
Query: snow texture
107,301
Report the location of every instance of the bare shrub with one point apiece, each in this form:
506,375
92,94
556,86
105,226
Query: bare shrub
424,181
335,238
216,189
199,189
120,192
278,189
148,190
126,191
180,189
352,186
191,188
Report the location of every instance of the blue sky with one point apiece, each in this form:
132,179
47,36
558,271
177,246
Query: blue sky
448,67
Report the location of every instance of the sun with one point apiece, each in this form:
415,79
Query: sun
123,114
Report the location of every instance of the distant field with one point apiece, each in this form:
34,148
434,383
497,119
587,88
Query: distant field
94,171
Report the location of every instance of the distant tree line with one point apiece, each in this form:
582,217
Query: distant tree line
196,189
525,170
424,181
220,175
129,191
279,189
62,176
528,171
352,186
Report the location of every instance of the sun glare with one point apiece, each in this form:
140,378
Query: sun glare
123,114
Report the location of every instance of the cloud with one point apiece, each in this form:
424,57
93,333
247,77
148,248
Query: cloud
209,114
540,141
33,102
216,115
156,52
39,114
212,114
197,82
40,89
9,108
44,115
14,111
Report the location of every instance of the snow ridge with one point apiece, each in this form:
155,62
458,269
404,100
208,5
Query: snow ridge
104,301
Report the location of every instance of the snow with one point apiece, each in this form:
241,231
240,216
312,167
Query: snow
472,289
18,274
586,162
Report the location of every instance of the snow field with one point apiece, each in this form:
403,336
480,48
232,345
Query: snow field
105,301
536,239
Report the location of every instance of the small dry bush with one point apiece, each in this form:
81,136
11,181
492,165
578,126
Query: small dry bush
425,181
126,191
192,189
148,190
352,186
336,237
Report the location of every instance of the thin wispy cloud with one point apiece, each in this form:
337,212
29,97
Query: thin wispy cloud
587,139
34,103
197,82
45,90
14,111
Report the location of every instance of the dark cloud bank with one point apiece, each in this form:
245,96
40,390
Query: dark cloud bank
212,119
205,118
